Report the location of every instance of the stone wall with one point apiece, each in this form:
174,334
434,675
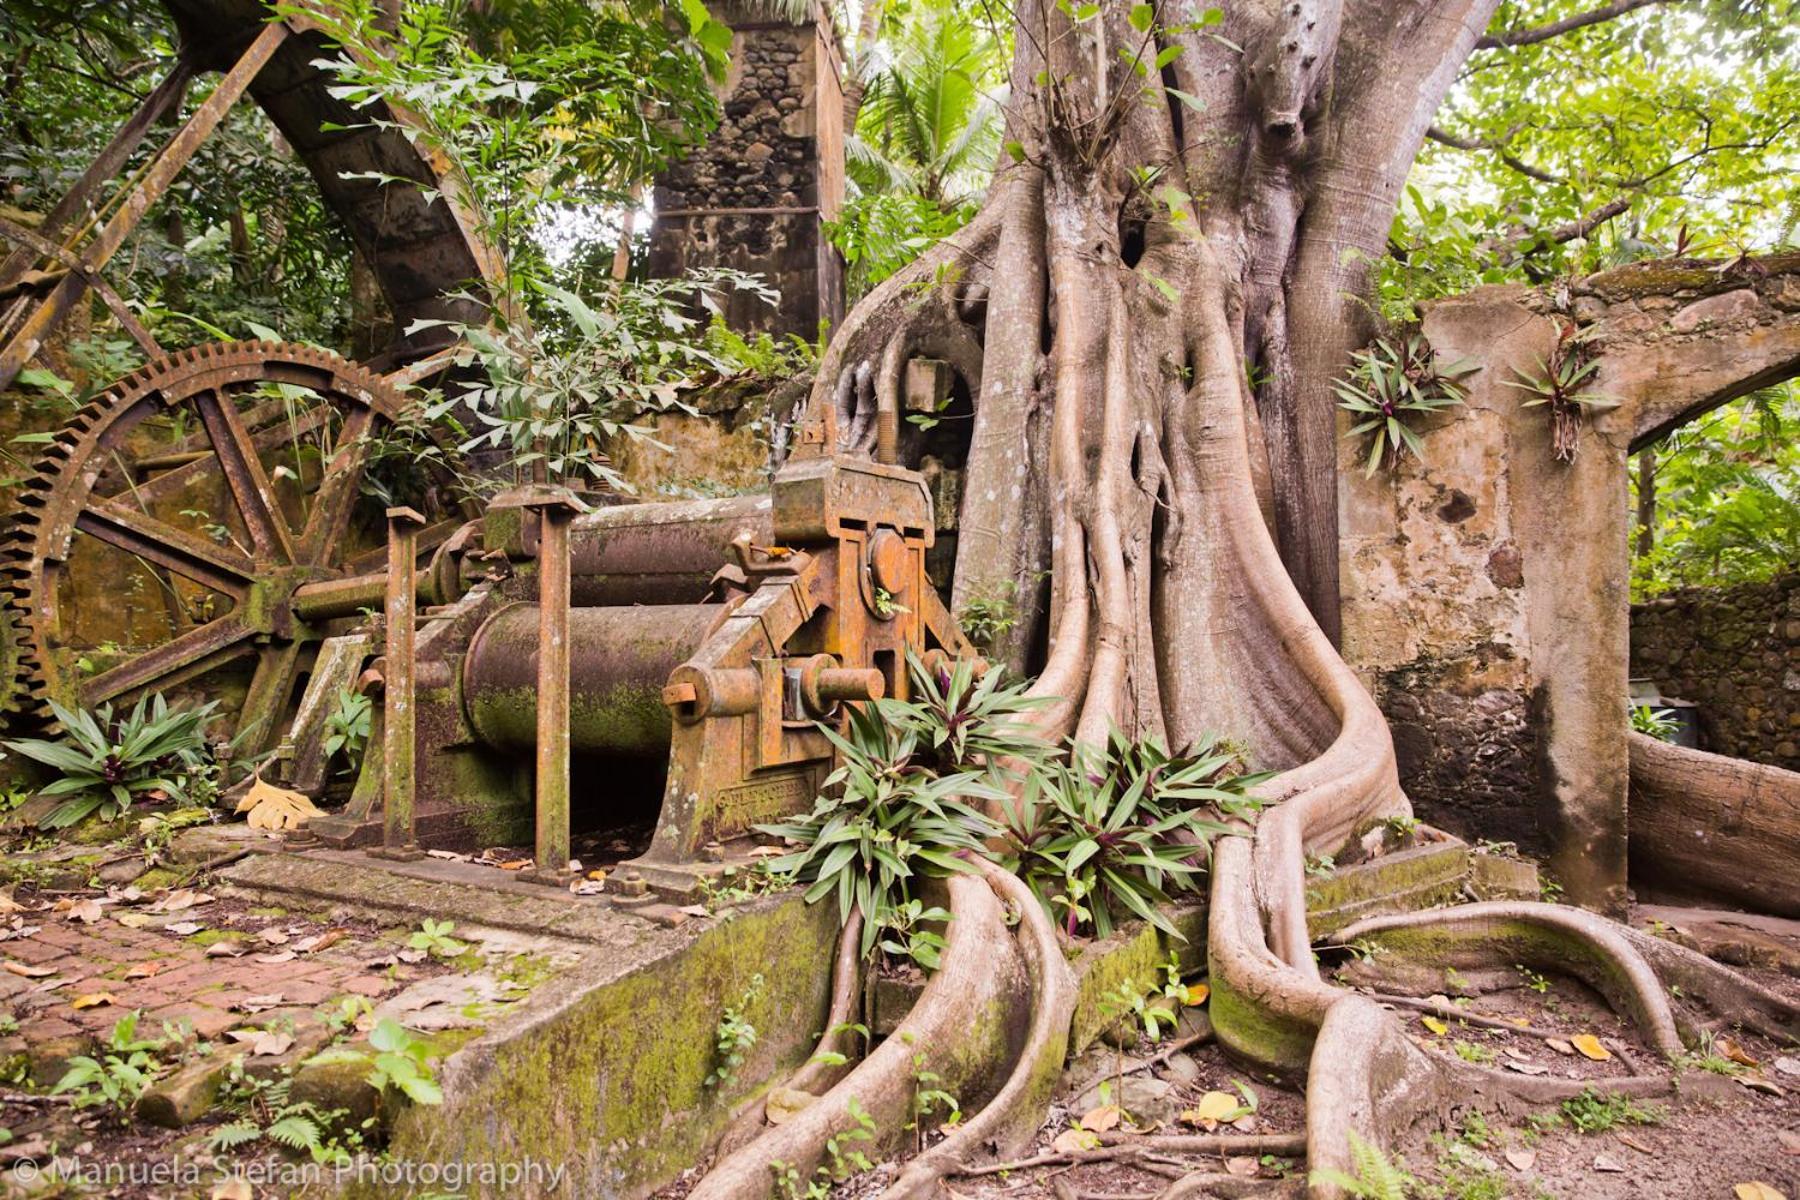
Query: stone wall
755,197
1735,652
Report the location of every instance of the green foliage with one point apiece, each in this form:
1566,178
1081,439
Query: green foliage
1592,1112
1686,115
987,617
1473,1052
907,933
1726,492
401,1061
1390,382
1560,382
106,762
1109,832
1659,723
734,1037
266,1111
925,141
434,938
347,728
560,389
1376,1177
127,1066
1129,1007
897,805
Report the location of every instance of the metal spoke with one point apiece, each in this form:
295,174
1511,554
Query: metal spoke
219,568
337,493
244,474
193,652
180,474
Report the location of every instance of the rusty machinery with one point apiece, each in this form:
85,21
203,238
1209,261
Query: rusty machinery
205,525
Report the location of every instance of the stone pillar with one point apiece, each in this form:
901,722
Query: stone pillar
756,196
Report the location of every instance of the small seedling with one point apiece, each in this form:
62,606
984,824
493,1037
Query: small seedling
401,1062
735,1036
433,937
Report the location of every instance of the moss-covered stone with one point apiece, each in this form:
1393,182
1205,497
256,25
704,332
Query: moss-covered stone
1134,955
608,1072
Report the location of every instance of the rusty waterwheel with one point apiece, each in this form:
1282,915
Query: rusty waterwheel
201,526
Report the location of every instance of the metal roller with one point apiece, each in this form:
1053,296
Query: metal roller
619,660
663,553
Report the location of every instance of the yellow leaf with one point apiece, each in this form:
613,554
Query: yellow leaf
1069,1141
1756,1189
93,1000
1436,1026
1590,1047
1100,1119
1730,1049
1213,1108
272,807
1195,994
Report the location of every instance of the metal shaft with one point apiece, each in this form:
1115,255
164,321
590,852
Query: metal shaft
553,691
398,709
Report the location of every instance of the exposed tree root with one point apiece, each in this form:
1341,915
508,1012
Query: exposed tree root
819,1072
1013,1115
1127,1147
1596,950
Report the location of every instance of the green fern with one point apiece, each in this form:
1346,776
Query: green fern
296,1132
1376,1178
230,1137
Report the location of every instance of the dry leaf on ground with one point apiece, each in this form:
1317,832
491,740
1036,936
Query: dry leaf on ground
1736,1053
1606,1162
184,928
1099,1120
27,970
263,1041
1072,1141
180,900
319,941
86,911
1590,1047
1521,1160
144,970
93,1000
272,807
228,948
1756,1189
1213,1108
1241,1165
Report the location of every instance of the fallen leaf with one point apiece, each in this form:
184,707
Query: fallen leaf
587,887
597,876
1073,1141
1640,1147
133,920
1521,1022
8,904
412,956
273,937
1756,1189
1245,1123
1606,1162
184,928
575,866
1099,1120
263,1041
376,964
275,808
1213,1108
1590,1047
235,1188
1521,1160
695,910
144,970
1787,1065
1195,994
180,900
28,970
1241,1165
125,895
86,911
226,948
1525,1068
1757,1083
319,941
280,956
1436,1026
93,1000
256,1004
1790,1141
517,864
448,855
1730,1049
1558,1045
767,852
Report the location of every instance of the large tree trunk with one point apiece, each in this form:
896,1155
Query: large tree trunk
1149,239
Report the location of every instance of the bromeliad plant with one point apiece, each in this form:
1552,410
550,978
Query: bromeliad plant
1108,833
106,762
900,805
1561,381
1391,382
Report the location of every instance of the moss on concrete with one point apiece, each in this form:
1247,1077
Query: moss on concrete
609,1075
1134,954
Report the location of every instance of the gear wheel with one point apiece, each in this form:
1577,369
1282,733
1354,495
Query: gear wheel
277,435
